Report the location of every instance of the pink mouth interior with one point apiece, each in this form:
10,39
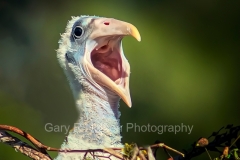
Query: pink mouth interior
107,60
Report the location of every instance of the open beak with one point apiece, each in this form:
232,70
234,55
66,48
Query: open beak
104,57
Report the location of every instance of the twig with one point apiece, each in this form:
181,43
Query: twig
162,145
113,152
141,155
22,147
34,141
150,154
235,141
208,153
135,152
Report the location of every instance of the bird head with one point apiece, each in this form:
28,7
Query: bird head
91,48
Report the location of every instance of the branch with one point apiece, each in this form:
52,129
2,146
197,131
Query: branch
41,150
22,147
34,141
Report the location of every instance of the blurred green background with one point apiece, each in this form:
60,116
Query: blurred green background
185,69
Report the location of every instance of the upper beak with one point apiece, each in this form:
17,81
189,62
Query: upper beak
111,27
103,27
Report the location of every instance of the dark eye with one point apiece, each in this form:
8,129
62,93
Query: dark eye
78,31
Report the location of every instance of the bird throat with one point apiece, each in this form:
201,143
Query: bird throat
98,123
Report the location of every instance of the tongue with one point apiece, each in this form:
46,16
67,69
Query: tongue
107,68
107,61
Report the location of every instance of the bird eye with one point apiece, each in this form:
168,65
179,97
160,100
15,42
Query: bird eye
78,31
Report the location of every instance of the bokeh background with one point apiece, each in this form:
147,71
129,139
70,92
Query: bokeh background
185,69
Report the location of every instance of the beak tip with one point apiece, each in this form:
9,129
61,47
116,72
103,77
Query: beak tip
134,32
129,104
127,101
137,36
139,39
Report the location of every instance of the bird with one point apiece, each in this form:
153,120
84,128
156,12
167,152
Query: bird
92,57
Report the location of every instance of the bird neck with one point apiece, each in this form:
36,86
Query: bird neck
98,123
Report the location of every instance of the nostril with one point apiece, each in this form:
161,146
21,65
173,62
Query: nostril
106,23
